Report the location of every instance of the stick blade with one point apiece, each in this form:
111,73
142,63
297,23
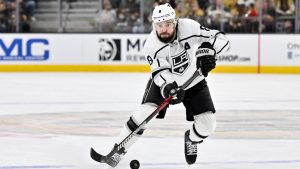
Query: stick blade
96,156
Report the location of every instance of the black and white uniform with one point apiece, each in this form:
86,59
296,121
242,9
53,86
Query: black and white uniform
176,61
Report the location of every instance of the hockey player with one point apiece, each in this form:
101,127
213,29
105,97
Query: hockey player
175,49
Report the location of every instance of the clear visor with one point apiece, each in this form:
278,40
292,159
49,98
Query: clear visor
165,24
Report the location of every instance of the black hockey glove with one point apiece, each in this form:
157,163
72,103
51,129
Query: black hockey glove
206,58
173,90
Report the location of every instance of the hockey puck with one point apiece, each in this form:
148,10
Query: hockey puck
134,164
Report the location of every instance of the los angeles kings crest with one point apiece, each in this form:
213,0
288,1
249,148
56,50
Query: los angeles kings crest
180,62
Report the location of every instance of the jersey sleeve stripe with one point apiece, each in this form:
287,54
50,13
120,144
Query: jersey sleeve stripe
159,70
158,63
220,33
214,41
193,36
159,50
162,78
223,47
216,37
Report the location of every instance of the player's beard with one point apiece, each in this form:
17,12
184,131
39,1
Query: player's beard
166,39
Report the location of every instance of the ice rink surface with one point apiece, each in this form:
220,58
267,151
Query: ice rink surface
50,120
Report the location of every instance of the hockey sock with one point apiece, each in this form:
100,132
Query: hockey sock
204,125
137,118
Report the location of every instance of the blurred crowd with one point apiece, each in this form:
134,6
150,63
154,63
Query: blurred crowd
241,16
8,15
124,16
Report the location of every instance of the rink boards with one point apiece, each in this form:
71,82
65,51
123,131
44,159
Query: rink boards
249,53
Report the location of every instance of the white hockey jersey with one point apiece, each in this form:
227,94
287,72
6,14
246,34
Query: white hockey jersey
176,61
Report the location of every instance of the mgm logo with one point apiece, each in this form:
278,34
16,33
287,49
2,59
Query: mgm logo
109,49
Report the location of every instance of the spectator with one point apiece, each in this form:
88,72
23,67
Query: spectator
203,4
230,4
24,24
268,13
188,8
122,25
11,6
131,10
288,26
251,11
285,7
2,8
218,15
237,24
134,22
3,20
251,19
106,17
181,9
115,3
29,8
195,11
129,6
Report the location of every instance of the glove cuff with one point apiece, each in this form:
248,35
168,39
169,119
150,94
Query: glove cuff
162,89
205,51
170,87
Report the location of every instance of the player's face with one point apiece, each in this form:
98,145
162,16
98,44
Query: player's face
165,30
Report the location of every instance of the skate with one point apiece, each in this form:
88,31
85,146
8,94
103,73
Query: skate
190,149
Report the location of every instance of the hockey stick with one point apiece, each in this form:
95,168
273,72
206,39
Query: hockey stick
120,147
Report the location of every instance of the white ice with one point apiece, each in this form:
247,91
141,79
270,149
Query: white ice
45,94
